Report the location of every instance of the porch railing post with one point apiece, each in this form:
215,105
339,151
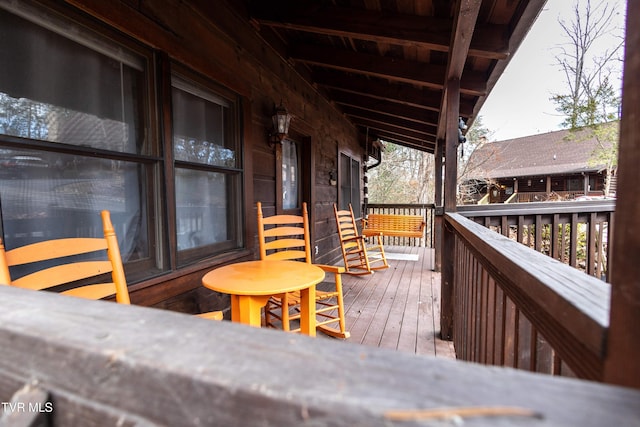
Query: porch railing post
437,218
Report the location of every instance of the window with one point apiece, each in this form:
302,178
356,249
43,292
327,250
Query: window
349,177
290,175
575,184
73,114
596,182
207,175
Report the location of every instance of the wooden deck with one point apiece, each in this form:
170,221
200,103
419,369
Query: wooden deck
397,308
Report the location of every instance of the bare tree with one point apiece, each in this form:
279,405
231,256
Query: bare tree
474,154
589,72
404,176
593,98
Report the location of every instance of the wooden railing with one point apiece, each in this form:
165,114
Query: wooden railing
516,307
68,362
542,196
576,233
425,210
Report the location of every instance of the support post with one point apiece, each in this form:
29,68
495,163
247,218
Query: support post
623,343
437,229
450,195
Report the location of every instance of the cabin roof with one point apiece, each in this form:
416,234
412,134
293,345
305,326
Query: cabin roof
350,51
554,153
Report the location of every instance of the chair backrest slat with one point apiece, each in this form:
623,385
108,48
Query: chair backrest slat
61,274
52,249
287,238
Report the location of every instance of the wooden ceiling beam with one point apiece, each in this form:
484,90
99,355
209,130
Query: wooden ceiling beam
378,88
382,89
399,126
418,115
396,69
402,30
419,144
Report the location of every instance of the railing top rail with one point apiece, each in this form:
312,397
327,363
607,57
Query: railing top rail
173,369
570,308
537,208
402,205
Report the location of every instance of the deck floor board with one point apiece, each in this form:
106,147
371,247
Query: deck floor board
397,308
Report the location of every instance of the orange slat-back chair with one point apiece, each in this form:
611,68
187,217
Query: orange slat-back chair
360,257
286,237
72,270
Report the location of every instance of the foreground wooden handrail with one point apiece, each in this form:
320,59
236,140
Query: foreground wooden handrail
113,363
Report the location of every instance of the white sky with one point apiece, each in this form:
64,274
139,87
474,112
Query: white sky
519,104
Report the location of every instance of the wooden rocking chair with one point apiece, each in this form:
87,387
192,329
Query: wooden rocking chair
360,256
286,237
90,263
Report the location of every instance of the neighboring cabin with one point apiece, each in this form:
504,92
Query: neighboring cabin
552,166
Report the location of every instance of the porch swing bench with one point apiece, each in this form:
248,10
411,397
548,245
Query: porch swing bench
393,225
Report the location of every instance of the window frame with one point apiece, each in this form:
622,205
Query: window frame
349,188
182,78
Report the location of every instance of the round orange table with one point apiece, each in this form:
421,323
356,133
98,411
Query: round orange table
250,285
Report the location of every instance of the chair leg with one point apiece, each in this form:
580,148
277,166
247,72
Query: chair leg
341,332
284,312
343,327
384,257
267,314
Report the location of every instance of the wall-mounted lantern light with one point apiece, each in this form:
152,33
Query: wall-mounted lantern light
461,138
281,119
333,180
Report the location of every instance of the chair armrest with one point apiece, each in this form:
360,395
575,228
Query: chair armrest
335,269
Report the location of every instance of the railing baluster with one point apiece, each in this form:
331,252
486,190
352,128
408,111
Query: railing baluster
591,257
510,336
491,320
573,232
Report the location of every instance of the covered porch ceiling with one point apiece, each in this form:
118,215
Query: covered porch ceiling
385,63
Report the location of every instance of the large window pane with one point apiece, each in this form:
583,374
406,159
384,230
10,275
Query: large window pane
203,208
201,127
73,94
46,196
